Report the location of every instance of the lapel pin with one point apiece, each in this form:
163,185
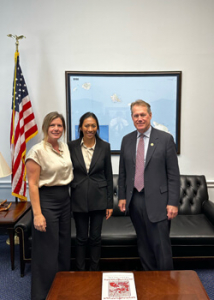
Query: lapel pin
152,144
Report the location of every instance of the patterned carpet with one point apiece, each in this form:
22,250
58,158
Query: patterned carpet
14,287
207,279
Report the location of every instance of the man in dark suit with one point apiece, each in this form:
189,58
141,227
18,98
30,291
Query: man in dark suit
149,188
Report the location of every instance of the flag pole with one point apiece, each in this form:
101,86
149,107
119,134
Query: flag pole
23,127
17,38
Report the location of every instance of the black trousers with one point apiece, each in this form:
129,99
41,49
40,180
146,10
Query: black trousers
153,239
88,231
51,249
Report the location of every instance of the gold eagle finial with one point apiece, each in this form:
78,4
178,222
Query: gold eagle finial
17,38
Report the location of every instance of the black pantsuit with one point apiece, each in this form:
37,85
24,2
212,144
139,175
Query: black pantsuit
88,232
51,249
91,195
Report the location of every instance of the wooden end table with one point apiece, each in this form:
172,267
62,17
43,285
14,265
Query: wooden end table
157,285
9,218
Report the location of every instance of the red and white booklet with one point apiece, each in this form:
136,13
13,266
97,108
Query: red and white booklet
118,286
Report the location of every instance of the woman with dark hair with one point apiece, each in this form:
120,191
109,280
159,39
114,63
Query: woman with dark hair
49,172
91,190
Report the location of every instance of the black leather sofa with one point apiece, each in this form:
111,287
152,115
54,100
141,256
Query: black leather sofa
192,231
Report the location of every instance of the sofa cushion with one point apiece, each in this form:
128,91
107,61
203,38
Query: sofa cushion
118,231
191,230
115,231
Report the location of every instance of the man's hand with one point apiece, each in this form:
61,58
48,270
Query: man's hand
172,211
122,205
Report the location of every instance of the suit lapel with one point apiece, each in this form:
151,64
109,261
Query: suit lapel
153,142
78,152
133,141
96,154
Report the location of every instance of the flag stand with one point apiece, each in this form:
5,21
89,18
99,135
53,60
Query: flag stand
23,124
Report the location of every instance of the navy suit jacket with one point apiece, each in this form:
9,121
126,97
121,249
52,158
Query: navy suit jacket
161,173
93,190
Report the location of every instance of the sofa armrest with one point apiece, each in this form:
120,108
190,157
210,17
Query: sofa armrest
23,229
208,210
25,223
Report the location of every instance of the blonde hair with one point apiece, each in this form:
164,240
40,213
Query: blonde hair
140,102
47,121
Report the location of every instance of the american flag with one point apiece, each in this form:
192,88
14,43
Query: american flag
23,128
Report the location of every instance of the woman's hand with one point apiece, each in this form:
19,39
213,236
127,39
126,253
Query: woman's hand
33,174
40,222
108,213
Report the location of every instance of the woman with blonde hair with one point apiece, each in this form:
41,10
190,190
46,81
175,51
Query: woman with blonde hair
49,172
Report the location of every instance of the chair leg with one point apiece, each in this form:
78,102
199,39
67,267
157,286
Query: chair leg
22,267
21,253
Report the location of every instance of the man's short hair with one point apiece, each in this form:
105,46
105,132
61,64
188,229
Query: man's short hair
140,102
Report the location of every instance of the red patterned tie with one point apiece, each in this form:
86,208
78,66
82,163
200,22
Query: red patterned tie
139,167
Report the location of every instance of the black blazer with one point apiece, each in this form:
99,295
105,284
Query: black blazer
93,190
161,173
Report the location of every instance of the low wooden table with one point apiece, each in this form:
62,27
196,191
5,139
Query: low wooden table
157,285
9,218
